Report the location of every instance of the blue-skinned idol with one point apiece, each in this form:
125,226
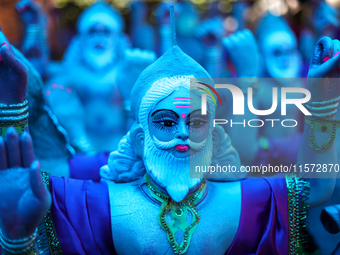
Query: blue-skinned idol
122,153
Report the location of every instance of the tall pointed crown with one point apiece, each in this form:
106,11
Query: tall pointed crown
269,24
100,12
174,62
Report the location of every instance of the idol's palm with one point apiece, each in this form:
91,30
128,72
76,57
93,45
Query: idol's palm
24,198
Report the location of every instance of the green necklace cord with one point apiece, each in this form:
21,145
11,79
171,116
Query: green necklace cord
179,213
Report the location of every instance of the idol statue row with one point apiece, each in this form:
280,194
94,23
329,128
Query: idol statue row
62,190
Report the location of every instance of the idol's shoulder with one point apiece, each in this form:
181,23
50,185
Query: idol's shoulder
225,186
218,192
129,191
263,187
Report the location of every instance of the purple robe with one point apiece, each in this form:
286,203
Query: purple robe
83,167
81,217
263,227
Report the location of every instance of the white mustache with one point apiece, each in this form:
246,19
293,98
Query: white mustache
176,141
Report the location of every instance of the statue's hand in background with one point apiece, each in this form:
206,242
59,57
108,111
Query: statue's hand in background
24,198
162,12
139,59
135,61
324,73
13,75
28,11
325,17
243,52
211,31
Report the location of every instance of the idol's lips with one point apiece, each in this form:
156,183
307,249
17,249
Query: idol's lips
182,147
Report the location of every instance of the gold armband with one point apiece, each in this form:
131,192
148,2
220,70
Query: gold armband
322,125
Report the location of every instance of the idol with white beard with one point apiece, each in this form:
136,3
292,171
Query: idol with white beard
165,211
91,78
185,215
177,136
170,136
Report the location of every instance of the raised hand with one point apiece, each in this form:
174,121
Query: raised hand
211,31
162,12
325,17
325,66
135,61
243,52
24,198
35,45
28,11
13,78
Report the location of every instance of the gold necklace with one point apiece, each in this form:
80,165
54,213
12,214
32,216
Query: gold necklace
178,212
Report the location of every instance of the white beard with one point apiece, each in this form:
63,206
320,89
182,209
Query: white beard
173,173
99,61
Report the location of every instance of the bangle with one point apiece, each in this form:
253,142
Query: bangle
324,103
324,109
32,31
15,115
322,125
24,246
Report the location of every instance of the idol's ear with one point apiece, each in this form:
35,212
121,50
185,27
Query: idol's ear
137,139
224,154
217,136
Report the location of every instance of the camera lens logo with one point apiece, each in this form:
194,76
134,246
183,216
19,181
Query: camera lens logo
201,87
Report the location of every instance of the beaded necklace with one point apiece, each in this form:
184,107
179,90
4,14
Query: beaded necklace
179,213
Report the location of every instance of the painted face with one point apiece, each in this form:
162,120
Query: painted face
100,37
99,46
176,124
282,59
177,137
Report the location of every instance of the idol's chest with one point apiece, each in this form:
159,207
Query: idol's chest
91,85
136,228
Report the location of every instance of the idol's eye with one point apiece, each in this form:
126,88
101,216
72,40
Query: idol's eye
166,123
277,53
197,122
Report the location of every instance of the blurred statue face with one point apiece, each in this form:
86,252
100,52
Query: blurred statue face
99,46
282,59
177,136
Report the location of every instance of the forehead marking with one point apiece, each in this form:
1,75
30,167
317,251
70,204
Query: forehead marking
183,102
183,105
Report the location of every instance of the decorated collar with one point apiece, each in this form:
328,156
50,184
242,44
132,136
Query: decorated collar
179,214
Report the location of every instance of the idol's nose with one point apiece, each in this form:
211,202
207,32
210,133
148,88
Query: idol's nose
182,132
